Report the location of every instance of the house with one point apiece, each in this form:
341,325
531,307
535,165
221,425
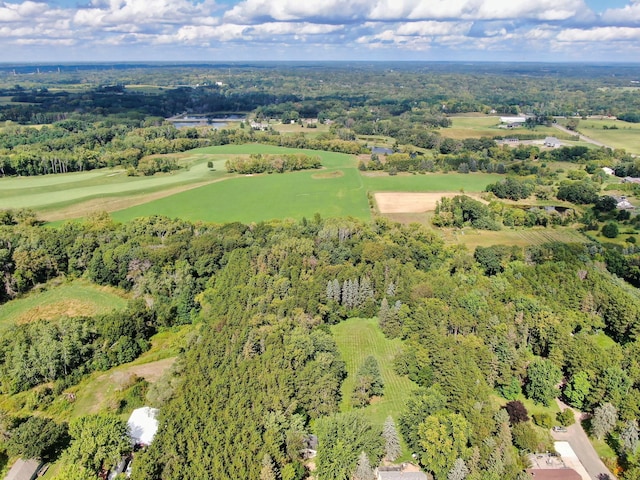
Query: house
390,475
143,425
608,171
24,470
554,474
552,142
406,471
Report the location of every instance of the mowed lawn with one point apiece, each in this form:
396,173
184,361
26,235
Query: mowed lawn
357,338
74,299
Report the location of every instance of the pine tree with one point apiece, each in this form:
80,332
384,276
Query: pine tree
268,471
459,470
630,436
604,419
363,469
384,313
392,447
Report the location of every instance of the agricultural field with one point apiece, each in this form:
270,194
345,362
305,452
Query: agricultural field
72,299
339,189
625,135
358,338
73,195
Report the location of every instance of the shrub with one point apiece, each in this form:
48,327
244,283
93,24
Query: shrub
566,418
543,420
610,230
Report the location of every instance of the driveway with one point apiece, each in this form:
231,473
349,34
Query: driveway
581,445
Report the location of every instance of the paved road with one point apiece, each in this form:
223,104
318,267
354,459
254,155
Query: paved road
582,137
581,445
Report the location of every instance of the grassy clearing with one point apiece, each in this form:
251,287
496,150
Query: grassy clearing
73,299
101,390
533,236
487,126
626,135
357,338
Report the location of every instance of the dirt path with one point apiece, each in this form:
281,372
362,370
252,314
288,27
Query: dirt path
582,446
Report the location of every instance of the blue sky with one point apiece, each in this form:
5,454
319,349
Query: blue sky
244,30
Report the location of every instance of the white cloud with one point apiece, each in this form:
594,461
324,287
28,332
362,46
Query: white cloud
628,15
362,10
599,34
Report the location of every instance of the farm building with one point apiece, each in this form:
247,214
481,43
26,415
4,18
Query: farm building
24,470
552,142
608,171
143,425
512,122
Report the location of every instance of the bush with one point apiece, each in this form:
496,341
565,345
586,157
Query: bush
565,418
543,420
610,230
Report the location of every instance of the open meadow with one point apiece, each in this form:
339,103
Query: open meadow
72,299
358,338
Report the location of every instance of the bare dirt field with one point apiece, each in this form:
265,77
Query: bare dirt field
405,202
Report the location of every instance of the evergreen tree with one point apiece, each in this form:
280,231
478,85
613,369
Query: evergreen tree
363,469
459,470
392,447
268,471
630,437
603,420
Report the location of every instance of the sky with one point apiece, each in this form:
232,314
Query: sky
318,30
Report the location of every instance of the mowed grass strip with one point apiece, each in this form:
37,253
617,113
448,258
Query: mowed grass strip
357,338
74,299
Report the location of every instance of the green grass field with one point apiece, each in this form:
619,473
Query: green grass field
48,192
625,136
337,190
75,298
487,126
525,237
357,338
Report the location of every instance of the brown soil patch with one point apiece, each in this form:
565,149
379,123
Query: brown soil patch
407,202
325,175
151,372
404,202
66,308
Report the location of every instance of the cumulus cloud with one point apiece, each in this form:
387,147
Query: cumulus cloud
519,26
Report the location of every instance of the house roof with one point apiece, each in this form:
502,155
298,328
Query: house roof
554,474
401,476
23,470
143,424
513,119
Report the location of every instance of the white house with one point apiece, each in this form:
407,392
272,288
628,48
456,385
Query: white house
513,120
608,171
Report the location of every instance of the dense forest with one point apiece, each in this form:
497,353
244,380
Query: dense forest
265,372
